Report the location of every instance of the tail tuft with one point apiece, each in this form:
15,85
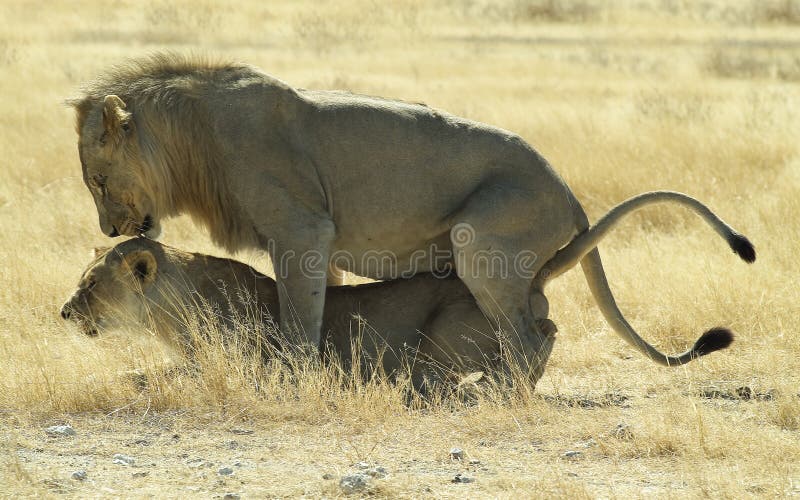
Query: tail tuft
713,340
742,247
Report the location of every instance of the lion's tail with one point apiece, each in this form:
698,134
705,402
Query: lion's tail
583,249
590,237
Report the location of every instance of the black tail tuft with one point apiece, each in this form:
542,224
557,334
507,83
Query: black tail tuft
742,247
713,340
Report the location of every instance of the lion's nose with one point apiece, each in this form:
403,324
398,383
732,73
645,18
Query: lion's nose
65,312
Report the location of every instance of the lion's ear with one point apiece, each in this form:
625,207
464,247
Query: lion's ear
115,119
82,108
98,251
142,265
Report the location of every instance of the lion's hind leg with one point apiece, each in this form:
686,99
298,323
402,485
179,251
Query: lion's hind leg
500,240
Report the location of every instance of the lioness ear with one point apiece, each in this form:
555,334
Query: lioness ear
98,251
115,118
142,265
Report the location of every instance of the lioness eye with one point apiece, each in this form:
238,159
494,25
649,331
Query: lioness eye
90,285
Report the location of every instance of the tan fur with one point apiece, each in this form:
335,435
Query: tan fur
300,172
431,323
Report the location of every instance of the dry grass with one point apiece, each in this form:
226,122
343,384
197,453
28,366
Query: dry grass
621,96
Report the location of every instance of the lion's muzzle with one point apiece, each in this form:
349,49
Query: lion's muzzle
66,312
88,327
147,224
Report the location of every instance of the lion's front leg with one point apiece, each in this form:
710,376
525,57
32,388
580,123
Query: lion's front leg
300,261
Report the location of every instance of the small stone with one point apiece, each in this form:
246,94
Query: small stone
328,476
361,465
232,445
456,454
121,459
623,431
354,483
141,474
462,478
572,454
60,430
195,463
79,475
231,496
225,471
474,461
377,472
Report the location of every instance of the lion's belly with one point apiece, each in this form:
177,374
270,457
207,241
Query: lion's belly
394,257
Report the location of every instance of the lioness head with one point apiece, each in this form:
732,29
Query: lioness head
111,290
109,150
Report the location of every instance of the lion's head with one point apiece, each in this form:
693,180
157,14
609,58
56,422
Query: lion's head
110,157
148,151
112,289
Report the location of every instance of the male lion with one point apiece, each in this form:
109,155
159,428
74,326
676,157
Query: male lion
315,177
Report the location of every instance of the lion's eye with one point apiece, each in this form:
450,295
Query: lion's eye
99,180
90,285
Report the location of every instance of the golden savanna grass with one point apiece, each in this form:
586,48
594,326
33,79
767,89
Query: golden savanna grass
621,97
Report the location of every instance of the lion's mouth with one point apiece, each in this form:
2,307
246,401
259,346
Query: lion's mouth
146,225
87,326
133,228
128,228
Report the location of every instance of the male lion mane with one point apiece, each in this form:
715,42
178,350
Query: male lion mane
178,160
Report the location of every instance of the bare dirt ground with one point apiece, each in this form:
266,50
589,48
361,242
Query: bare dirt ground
621,97
180,453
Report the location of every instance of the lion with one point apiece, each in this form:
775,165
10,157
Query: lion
320,179
141,284
427,325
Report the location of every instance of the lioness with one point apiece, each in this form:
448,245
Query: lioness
432,321
320,177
